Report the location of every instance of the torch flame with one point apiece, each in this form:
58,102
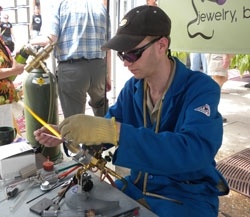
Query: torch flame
41,121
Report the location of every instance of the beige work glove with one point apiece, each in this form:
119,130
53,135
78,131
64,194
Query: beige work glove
88,130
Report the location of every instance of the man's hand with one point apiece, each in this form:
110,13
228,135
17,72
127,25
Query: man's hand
89,130
46,138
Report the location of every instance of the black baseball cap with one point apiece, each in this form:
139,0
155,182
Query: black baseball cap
138,23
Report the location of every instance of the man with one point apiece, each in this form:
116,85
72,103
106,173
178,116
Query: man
79,29
36,22
165,123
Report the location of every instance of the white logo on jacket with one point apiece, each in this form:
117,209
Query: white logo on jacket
205,109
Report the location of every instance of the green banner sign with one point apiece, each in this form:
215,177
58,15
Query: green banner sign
209,26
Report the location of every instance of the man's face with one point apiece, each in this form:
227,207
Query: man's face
146,65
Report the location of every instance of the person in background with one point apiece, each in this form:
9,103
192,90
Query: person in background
8,67
152,2
79,29
36,22
159,124
218,66
105,2
7,33
198,62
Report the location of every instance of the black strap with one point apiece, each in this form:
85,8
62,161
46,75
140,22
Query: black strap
66,150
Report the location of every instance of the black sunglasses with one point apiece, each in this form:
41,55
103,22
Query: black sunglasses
134,55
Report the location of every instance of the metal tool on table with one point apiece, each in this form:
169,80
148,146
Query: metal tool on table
11,193
54,179
82,198
91,159
79,198
18,191
59,183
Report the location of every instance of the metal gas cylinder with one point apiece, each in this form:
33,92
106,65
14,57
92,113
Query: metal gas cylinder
40,95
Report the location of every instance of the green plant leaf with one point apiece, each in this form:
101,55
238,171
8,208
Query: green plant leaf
241,62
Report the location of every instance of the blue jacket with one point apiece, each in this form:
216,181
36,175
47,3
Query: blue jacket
179,159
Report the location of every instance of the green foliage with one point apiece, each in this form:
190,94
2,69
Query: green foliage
182,56
241,62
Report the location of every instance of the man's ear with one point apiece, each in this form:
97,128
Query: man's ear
164,43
